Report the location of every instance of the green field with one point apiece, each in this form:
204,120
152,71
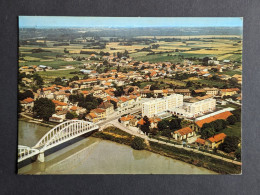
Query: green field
211,83
232,72
144,84
53,64
58,73
233,130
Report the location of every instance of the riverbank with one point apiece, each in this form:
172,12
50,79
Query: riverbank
197,159
24,117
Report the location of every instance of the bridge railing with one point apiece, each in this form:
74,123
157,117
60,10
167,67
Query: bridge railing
57,135
52,132
26,152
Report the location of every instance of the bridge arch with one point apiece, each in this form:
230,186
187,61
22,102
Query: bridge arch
59,134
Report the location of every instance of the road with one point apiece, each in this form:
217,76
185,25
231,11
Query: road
116,116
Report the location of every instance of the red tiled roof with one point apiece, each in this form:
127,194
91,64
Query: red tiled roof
85,92
127,118
217,138
58,103
229,90
74,108
141,122
28,100
184,131
98,110
200,141
123,99
92,115
223,115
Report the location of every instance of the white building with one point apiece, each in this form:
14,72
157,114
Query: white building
200,107
159,105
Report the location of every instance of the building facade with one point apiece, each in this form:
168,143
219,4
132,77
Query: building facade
200,107
151,108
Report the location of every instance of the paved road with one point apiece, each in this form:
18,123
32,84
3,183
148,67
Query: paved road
116,116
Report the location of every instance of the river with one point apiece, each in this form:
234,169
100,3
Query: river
89,155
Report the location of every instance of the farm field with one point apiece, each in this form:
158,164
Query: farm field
211,83
222,47
52,74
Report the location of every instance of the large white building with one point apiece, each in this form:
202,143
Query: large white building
159,105
200,107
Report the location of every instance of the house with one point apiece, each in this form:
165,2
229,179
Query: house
185,92
27,81
98,114
154,122
60,105
200,142
56,119
198,124
228,92
183,133
60,114
238,77
27,104
215,141
126,120
211,91
107,106
77,110
92,117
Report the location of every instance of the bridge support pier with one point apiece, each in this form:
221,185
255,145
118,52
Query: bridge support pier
40,157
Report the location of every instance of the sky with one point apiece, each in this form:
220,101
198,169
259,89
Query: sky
132,22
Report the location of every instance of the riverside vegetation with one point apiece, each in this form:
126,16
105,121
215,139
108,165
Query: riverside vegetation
200,160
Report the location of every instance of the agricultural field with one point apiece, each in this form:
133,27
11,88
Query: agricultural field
210,83
233,72
172,81
222,47
52,74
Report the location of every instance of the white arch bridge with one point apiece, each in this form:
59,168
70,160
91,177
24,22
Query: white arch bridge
59,134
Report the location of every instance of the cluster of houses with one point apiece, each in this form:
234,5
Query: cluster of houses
187,133
105,86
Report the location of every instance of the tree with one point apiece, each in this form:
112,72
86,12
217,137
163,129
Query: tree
207,132
146,126
166,133
130,90
230,144
105,63
231,120
238,153
175,124
85,76
25,95
189,84
38,80
114,104
69,115
137,143
75,78
237,114
43,108
162,125
58,81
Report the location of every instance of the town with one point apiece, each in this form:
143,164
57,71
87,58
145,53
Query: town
188,101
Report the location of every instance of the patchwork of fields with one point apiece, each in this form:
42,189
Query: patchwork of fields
222,47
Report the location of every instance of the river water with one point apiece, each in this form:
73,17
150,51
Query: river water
88,155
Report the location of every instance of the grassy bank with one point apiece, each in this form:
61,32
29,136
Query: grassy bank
196,159
200,160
